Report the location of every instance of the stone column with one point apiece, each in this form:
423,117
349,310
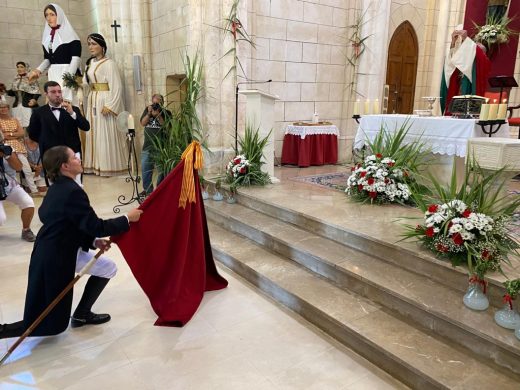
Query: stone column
376,24
440,54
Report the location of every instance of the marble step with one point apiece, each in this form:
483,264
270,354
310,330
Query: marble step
407,255
414,356
433,306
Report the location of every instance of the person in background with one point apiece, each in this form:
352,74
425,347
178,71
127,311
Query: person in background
25,94
35,161
13,134
12,192
153,119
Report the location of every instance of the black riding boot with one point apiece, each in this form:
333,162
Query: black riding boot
14,329
83,314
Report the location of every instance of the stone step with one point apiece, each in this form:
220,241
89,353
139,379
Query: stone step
384,245
428,303
416,357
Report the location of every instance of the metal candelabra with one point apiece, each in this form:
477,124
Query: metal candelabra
133,174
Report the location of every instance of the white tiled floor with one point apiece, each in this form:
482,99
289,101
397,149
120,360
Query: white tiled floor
237,340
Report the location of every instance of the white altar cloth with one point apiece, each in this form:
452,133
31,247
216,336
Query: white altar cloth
304,131
443,135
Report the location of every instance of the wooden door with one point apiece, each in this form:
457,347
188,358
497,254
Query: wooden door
401,69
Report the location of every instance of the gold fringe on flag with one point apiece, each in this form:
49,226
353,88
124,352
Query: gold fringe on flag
193,159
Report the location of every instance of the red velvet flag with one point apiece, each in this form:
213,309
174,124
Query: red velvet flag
169,250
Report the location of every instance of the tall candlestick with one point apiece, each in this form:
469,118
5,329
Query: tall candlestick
367,107
502,110
493,110
357,108
377,107
131,124
484,112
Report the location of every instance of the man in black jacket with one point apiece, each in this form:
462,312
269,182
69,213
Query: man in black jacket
57,123
70,227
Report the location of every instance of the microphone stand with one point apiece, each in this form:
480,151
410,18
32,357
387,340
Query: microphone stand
135,179
236,106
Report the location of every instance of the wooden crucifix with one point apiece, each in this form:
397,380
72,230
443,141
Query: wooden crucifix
115,26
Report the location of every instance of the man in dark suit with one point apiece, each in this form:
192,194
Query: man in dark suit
57,123
70,226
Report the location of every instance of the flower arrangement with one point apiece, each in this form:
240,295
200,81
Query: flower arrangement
388,174
467,224
459,232
496,31
236,168
245,168
379,180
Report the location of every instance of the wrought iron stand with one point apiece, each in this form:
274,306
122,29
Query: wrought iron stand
133,167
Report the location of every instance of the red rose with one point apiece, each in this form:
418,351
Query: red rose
352,169
372,194
237,160
457,239
429,232
450,224
243,170
370,181
379,155
387,181
363,174
360,187
466,213
485,254
433,208
391,164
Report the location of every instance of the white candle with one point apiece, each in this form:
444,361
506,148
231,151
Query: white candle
357,108
131,124
493,111
502,110
367,107
484,112
377,107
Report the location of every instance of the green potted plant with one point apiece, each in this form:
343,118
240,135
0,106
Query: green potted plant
508,317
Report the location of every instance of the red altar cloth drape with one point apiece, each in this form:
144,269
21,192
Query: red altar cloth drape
318,149
169,252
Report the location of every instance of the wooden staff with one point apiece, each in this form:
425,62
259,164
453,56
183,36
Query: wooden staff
56,300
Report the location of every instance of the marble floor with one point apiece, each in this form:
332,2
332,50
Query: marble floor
239,339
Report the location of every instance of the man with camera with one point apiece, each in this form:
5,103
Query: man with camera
12,192
153,119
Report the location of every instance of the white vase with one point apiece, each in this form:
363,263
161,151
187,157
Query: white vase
475,299
508,318
205,194
217,196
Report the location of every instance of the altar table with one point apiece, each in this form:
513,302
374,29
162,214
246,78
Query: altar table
446,138
310,145
442,135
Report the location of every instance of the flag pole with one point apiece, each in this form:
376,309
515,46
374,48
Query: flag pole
51,306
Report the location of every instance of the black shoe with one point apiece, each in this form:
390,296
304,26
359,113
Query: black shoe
15,329
89,319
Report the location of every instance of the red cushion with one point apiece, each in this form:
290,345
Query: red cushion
514,121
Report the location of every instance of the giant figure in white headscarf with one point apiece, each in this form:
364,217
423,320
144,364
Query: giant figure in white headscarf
61,49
